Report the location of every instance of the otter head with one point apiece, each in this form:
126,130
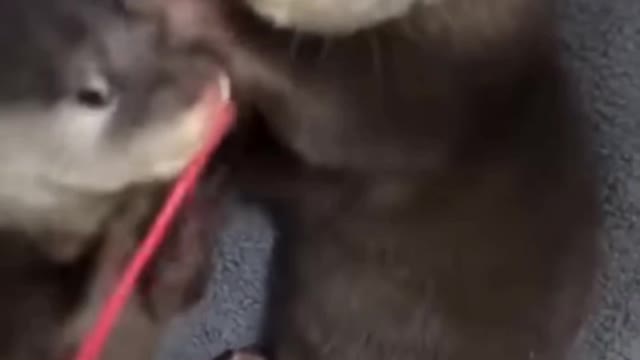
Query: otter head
93,101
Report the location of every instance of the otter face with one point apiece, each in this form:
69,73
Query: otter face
92,101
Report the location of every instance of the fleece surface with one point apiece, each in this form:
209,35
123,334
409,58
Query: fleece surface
602,40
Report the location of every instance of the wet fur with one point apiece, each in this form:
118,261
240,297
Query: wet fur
435,174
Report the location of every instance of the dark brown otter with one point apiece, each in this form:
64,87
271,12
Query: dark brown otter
435,172
99,112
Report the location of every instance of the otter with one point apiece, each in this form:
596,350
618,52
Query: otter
99,112
431,163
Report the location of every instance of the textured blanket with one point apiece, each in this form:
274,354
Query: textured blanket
602,40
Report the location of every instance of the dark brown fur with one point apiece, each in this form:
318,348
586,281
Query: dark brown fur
435,172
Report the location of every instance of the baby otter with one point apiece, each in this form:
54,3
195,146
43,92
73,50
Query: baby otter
433,165
99,112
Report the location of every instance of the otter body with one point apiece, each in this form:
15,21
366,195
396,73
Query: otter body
428,159
433,170
98,114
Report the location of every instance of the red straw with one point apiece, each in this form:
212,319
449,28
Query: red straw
93,344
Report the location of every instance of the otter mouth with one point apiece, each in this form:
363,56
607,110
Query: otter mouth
200,118
198,124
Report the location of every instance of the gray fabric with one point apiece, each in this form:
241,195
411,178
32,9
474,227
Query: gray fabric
603,42
230,315
603,46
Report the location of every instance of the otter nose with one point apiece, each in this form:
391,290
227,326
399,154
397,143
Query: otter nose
95,93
